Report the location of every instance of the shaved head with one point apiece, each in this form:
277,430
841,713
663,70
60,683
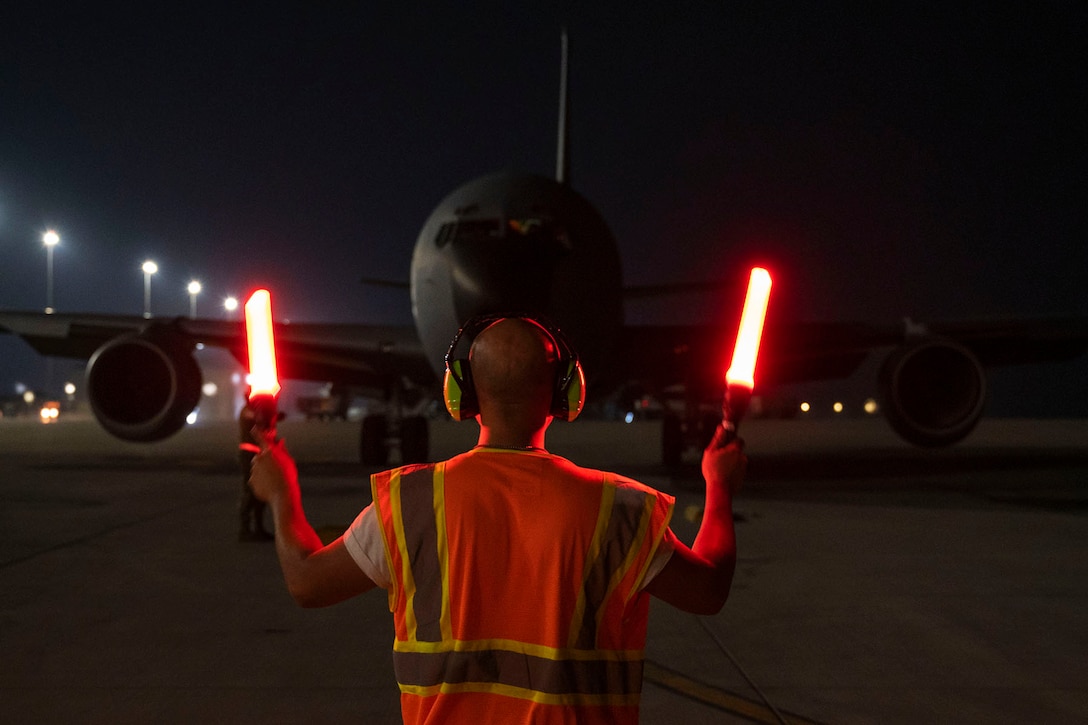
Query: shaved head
513,369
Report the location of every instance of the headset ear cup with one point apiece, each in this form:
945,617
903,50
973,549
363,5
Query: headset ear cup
457,390
570,390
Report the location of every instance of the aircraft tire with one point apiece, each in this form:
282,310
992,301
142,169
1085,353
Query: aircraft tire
372,450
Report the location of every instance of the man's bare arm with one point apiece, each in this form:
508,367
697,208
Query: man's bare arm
698,579
316,575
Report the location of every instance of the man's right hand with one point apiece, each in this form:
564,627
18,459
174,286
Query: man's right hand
725,465
273,471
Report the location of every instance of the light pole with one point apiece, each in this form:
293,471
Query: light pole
50,239
194,290
149,269
230,305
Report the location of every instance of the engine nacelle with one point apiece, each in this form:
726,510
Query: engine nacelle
934,391
142,387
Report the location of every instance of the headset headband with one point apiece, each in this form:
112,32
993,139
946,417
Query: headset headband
475,325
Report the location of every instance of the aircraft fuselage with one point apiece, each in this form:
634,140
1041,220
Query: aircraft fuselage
518,243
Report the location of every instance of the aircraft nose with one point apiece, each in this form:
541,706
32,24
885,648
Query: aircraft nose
511,271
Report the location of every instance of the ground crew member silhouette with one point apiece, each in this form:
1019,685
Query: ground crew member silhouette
519,582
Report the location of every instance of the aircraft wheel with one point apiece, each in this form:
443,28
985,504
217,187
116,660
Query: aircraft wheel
414,439
672,440
372,451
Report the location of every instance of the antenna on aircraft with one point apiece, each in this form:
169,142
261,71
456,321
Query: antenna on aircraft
562,155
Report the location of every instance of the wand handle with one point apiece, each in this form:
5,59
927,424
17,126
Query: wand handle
266,413
734,406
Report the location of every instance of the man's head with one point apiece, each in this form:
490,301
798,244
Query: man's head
515,364
513,369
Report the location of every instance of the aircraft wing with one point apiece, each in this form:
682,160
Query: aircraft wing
1012,342
797,352
932,380
363,355
698,354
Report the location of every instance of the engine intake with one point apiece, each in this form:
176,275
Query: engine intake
142,387
934,392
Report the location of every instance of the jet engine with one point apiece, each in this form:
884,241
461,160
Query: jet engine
142,387
933,390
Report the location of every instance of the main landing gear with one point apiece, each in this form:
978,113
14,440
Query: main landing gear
380,434
678,434
399,426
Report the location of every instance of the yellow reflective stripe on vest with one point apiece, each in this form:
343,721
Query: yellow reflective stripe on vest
418,507
622,523
429,661
571,677
604,515
645,520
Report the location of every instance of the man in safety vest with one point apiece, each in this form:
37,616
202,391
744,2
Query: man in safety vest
519,582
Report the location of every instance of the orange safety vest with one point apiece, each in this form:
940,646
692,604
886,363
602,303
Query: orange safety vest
515,578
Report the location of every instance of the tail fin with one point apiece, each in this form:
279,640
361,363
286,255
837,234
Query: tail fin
562,155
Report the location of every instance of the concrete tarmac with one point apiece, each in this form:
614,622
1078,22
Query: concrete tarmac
876,583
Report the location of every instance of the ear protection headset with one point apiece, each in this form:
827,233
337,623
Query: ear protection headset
568,388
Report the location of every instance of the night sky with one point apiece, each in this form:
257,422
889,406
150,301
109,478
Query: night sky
927,161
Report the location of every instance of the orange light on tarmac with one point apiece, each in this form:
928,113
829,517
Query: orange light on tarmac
263,377
742,370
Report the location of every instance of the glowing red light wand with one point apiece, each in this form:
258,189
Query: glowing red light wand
740,378
263,380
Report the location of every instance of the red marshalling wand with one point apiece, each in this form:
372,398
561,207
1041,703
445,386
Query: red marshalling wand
740,378
263,379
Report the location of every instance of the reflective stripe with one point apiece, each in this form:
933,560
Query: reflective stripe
418,514
542,679
644,524
592,664
379,492
443,548
625,515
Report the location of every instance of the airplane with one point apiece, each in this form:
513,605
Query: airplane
529,243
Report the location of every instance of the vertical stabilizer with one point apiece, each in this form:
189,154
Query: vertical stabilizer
562,154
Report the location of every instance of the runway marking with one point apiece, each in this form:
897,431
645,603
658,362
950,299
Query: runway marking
716,697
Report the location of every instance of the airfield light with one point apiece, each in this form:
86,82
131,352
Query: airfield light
230,304
193,289
149,268
50,239
263,378
837,407
49,413
69,388
805,407
740,377
871,406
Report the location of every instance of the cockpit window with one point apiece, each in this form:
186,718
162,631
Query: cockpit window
484,230
472,230
534,226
